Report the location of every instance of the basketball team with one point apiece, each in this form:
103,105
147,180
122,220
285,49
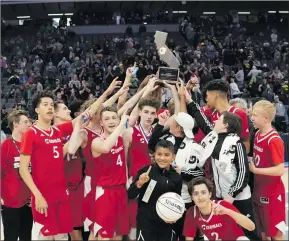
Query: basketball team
101,166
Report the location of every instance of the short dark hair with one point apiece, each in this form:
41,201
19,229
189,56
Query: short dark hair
165,144
14,117
75,107
36,99
233,121
218,85
198,181
149,102
56,103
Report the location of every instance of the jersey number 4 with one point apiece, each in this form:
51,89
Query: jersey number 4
119,162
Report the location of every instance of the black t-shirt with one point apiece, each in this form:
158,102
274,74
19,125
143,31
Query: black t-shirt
85,76
84,95
97,78
216,72
78,52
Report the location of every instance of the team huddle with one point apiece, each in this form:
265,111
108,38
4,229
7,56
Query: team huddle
103,165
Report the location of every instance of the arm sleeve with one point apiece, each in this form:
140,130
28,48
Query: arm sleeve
276,147
189,175
229,206
66,129
189,225
156,135
200,118
133,191
205,149
245,133
27,143
242,166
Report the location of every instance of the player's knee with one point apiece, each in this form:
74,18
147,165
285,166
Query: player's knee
76,235
62,236
278,236
264,237
132,234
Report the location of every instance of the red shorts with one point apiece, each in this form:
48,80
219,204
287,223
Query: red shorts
132,211
76,203
270,214
111,212
88,204
58,220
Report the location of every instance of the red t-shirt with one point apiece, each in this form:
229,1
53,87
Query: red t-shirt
215,227
268,152
215,115
46,151
14,191
138,154
111,167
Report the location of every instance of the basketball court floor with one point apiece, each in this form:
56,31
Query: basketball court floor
285,180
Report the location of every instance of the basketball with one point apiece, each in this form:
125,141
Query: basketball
170,207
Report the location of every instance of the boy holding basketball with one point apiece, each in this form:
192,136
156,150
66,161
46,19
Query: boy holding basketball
149,184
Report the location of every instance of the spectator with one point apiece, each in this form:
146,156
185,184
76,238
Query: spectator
280,113
235,92
14,79
240,78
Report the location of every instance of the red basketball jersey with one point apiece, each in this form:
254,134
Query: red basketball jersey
215,227
138,154
111,167
89,164
46,151
73,170
268,152
245,127
14,191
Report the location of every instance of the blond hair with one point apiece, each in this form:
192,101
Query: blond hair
107,108
267,107
87,104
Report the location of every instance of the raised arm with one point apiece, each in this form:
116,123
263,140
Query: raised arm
130,103
122,91
127,139
100,146
78,137
122,98
200,118
97,104
134,115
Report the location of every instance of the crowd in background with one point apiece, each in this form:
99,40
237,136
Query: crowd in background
74,68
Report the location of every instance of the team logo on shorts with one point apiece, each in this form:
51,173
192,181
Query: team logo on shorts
264,200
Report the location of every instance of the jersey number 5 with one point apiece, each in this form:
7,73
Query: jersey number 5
119,162
55,152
